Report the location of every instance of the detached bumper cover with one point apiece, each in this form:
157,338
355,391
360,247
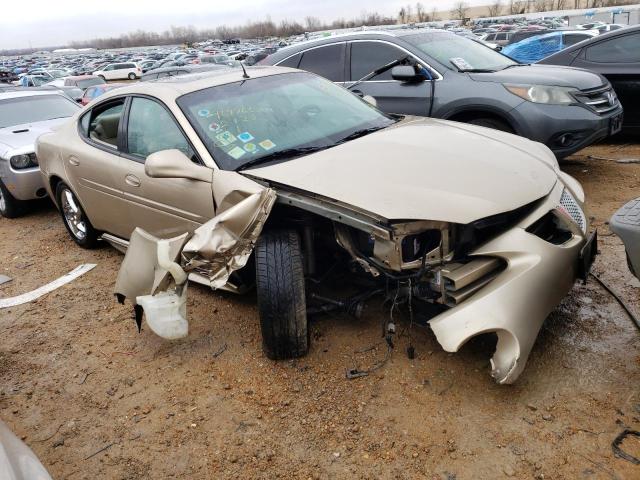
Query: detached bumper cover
516,303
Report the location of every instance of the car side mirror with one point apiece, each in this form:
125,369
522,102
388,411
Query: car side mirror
175,164
406,73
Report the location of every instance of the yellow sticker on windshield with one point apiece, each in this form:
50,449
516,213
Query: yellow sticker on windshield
267,144
236,152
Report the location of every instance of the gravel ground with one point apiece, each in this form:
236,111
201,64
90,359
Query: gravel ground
95,399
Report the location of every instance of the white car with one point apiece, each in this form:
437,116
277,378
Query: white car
120,71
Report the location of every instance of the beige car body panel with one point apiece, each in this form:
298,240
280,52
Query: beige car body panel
406,173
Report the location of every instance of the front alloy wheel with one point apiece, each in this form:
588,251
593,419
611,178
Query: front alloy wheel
74,218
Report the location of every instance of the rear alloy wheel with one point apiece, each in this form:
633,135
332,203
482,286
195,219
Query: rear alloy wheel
74,218
132,76
494,123
281,295
10,207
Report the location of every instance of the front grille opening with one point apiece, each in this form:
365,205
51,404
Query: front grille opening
415,247
550,228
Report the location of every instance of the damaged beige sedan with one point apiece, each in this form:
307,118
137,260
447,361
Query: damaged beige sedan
280,179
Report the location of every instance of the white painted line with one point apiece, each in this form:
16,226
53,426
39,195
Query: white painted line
49,287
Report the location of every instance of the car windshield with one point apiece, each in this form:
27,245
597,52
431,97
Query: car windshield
459,53
17,111
89,82
277,117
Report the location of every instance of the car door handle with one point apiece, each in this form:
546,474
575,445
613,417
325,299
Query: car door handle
74,161
132,180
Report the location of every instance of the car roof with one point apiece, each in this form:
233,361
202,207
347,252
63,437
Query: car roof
355,35
170,88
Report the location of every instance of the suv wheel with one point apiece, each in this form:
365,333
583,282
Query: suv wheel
491,123
281,295
10,207
132,76
74,218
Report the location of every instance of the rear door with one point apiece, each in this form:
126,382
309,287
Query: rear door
618,59
94,165
392,96
164,207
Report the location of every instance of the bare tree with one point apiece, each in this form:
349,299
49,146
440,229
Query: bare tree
409,11
459,10
517,7
421,15
540,5
312,23
402,15
434,14
495,8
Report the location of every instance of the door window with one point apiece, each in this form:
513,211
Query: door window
328,62
369,56
105,123
621,49
291,61
152,129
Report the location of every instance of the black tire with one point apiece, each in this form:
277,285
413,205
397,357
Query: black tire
494,123
132,76
281,295
87,238
10,207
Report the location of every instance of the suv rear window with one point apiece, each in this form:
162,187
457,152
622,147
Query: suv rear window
326,61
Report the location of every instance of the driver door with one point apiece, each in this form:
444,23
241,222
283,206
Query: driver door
391,95
164,207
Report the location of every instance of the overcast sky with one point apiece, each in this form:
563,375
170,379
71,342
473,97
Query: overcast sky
40,23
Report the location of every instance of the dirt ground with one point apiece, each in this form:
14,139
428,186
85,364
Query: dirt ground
95,399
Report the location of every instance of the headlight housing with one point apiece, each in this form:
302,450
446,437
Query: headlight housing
543,94
27,160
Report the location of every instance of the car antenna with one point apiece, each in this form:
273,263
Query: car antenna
244,71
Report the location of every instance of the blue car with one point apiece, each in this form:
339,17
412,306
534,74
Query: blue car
533,49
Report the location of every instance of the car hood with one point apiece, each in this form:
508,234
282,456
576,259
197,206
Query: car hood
544,75
25,135
425,169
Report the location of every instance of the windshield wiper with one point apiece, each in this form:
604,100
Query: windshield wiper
358,134
282,154
477,70
378,71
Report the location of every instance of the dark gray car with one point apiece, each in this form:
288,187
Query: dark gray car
458,79
616,56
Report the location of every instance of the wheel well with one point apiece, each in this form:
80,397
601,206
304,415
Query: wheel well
467,115
53,182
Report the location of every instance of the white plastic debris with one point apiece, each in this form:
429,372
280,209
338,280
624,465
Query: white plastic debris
166,312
